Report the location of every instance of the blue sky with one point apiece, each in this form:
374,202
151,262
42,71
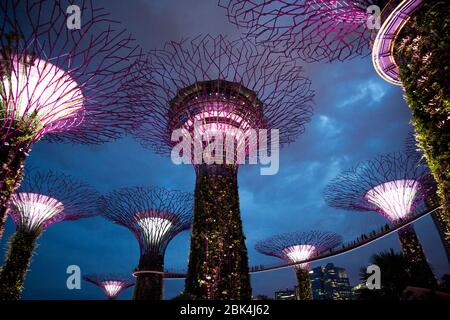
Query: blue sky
357,116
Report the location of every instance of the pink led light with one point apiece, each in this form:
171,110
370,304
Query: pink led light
112,288
342,11
41,89
35,211
299,253
396,199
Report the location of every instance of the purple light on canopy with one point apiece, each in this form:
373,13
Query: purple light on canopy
45,198
396,199
313,30
393,185
111,284
299,246
39,93
35,211
300,252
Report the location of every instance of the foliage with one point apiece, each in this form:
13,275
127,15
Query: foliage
397,273
423,54
12,274
218,264
303,291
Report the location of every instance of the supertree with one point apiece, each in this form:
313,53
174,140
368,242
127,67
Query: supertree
155,216
431,199
111,284
297,247
209,90
393,185
43,199
312,30
58,81
410,43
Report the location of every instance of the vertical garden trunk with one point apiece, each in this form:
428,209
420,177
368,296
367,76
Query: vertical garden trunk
18,259
411,248
303,291
149,286
218,262
12,159
422,53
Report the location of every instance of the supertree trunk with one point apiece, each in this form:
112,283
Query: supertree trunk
412,249
422,53
218,263
12,158
12,274
303,291
149,286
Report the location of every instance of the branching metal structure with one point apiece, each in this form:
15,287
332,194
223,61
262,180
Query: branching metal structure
298,247
111,284
42,200
58,82
394,185
313,30
155,216
214,87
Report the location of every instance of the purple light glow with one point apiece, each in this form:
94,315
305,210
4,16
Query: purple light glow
112,288
34,211
39,88
313,30
299,253
299,246
383,48
395,199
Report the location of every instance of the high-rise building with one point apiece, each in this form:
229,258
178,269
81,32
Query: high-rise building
330,283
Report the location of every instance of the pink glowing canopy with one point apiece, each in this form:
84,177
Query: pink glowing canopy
313,30
299,253
39,93
395,199
33,211
112,288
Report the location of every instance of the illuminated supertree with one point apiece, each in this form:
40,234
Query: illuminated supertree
155,216
440,219
58,81
43,199
410,45
111,284
297,247
206,91
393,185
313,30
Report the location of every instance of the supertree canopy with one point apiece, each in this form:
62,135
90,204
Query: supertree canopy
42,200
410,47
313,30
213,87
393,185
155,216
111,284
297,247
58,80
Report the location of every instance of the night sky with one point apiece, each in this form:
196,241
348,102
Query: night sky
357,116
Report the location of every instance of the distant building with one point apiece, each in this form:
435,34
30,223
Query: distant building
288,294
330,283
